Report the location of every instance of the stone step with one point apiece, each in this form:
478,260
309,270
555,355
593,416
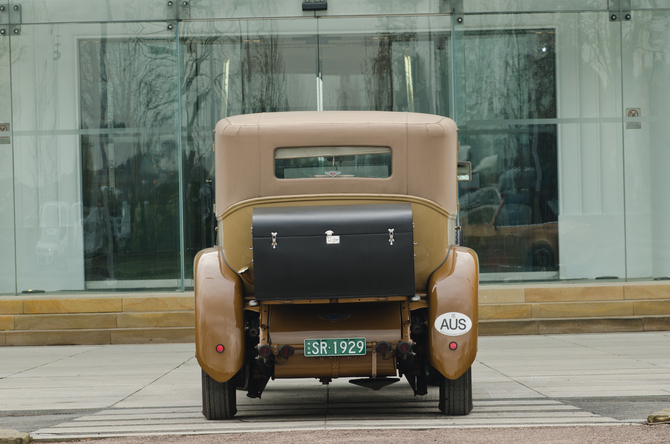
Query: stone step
573,325
588,309
562,292
109,303
79,319
58,319
98,336
98,320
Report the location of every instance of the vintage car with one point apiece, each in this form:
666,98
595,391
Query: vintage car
503,233
336,258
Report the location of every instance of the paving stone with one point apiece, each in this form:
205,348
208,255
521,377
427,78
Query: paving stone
646,290
582,309
6,322
657,323
9,436
64,321
57,337
153,335
505,311
653,308
501,295
166,319
78,305
662,416
162,303
508,327
11,306
568,293
591,325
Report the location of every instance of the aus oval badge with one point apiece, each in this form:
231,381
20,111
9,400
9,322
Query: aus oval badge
453,324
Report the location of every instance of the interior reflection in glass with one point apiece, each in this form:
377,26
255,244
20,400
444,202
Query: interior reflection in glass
509,211
333,162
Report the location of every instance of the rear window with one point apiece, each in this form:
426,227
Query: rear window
333,162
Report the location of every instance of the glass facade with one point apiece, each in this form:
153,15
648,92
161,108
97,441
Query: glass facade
107,109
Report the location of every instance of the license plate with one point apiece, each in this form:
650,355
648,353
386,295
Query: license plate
335,347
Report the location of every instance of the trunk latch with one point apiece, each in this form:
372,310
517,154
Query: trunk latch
330,239
391,240
274,239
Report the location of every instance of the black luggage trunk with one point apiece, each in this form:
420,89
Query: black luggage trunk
334,251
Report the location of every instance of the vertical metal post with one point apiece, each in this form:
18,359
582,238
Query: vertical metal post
180,165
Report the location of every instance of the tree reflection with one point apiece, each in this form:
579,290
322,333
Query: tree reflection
516,161
130,174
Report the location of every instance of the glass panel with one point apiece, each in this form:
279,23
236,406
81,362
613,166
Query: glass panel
530,5
59,11
646,69
336,161
386,64
229,68
537,103
96,167
376,7
649,4
212,9
7,250
216,9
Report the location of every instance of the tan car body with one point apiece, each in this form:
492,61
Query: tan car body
503,246
424,174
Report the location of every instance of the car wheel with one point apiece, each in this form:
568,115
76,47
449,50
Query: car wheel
218,398
456,394
541,258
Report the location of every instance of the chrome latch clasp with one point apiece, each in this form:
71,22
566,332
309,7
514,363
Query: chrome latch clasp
274,239
391,240
330,239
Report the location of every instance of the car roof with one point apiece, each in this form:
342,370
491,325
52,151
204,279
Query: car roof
423,150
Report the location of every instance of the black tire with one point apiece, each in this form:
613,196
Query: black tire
218,398
541,258
456,395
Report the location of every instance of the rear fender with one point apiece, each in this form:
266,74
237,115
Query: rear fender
219,316
453,288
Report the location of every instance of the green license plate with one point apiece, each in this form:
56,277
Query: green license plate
335,347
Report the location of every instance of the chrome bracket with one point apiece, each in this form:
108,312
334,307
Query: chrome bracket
330,239
391,240
178,10
619,10
274,239
10,20
4,20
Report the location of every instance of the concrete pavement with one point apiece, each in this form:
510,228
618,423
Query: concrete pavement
93,391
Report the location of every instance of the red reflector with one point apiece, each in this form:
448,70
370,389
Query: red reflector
264,351
383,347
453,345
404,347
286,350
220,348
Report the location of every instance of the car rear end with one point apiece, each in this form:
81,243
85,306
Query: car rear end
336,258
